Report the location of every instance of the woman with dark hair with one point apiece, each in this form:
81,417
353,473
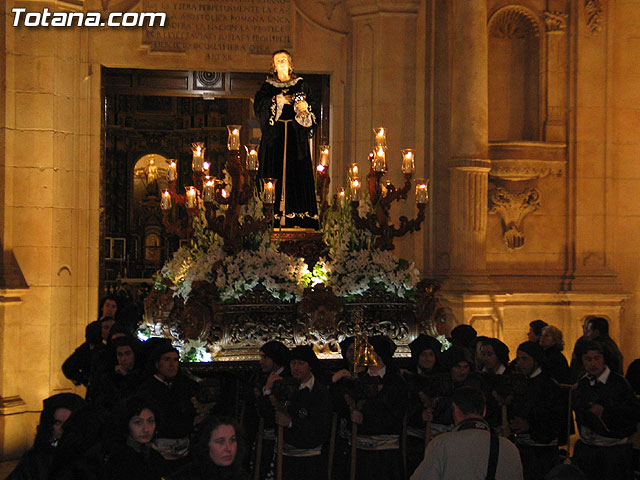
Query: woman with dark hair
131,455
36,463
218,453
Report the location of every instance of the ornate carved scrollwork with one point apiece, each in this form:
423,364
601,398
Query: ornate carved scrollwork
594,10
513,208
555,21
318,315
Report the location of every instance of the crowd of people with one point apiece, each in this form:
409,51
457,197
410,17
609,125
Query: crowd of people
474,410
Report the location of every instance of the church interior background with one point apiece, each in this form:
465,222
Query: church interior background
524,116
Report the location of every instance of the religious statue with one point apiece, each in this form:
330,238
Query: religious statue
286,113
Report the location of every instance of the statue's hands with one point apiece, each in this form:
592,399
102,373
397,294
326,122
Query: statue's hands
283,99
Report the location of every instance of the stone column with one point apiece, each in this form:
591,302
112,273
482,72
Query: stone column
469,166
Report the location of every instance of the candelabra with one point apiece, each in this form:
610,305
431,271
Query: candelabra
382,196
222,202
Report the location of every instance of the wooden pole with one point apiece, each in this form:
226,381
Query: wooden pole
256,470
332,444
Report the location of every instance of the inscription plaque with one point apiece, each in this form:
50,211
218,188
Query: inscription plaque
220,29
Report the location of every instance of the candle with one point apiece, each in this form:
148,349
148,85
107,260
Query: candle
408,161
355,190
192,198
353,171
208,193
233,141
380,139
379,160
252,157
165,201
197,149
341,197
172,171
205,167
324,155
269,190
422,191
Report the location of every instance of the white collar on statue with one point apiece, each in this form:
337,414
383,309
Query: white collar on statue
278,84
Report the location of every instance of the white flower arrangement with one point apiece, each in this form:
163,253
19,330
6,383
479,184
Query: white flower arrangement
194,351
354,267
351,273
259,263
280,274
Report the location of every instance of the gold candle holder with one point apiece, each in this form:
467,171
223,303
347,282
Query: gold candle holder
172,171
197,149
192,197
422,191
408,161
165,200
233,141
380,139
355,190
252,157
269,190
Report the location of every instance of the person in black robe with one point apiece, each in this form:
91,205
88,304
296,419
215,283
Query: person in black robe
607,413
287,117
132,454
536,414
37,462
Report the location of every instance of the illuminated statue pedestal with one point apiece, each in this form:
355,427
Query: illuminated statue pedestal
235,331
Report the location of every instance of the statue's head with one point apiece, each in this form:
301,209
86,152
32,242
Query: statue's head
281,64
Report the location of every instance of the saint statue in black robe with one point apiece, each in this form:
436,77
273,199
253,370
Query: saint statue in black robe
286,113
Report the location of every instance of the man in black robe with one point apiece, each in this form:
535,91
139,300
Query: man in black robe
287,117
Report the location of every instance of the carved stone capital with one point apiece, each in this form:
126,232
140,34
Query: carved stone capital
513,208
556,22
595,11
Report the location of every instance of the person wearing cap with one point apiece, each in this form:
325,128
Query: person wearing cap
379,416
425,353
36,463
536,415
274,365
306,420
607,413
172,392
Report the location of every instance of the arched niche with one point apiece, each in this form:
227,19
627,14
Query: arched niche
514,75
